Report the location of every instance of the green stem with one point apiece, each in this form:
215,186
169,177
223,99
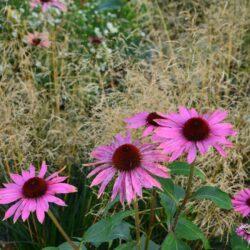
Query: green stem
137,225
152,218
61,230
185,200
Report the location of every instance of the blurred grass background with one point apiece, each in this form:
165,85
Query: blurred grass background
57,104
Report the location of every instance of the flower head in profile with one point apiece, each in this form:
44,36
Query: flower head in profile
241,202
187,131
45,4
96,40
244,231
38,39
145,119
132,163
33,193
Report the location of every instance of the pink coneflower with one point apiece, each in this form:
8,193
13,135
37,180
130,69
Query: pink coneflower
133,162
96,40
244,231
33,193
241,202
45,4
187,130
145,119
38,39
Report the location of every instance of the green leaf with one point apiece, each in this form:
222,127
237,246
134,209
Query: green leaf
151,246
66,246
50,248
109,228
172,243
106,5
169,206
133,246
183,168
220,198
173,191
237,243
127,246
185,229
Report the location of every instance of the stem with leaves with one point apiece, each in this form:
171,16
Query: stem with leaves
186,198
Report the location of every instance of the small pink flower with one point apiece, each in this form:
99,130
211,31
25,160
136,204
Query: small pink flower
45,4
187,130
33,193
38,39
133,162
145,119
244,231
241,202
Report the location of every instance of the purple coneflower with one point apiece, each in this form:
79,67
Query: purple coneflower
45,4
241,202
145,119
244,231
96,40
187,130
38,39
133,162
33,193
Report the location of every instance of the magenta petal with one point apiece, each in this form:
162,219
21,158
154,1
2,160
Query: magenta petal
43,170
100,177
40,211
217,116
191,154
116,186
98,169
12,210
129,188
136,183
106,181
18,179
148,131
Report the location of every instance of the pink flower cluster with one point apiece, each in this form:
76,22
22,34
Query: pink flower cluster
173,135
132,163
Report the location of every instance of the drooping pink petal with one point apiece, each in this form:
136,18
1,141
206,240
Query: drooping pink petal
12,210
106,181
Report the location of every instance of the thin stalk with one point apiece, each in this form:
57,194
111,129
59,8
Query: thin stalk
61,230
185,200
137,225
152,218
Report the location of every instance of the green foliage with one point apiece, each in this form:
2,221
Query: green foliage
66,246
220,198
110,5
237,243
183,168
187,230
109,228
173,243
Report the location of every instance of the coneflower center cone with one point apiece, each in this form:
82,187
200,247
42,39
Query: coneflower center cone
248,202
34,187
45,1
196,129
151,117
126,157
36,41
